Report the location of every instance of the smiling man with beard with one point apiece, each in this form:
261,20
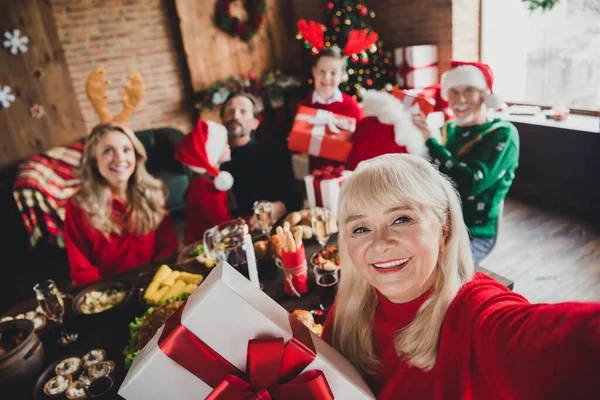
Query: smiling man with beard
260,171
479,154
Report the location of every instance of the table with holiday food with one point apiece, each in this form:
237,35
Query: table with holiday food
115,317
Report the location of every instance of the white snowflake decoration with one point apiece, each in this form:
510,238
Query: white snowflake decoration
16,42
6,97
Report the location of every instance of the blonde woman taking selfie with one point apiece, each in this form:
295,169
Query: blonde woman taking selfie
416,320
118,219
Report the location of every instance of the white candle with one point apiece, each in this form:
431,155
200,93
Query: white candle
251,258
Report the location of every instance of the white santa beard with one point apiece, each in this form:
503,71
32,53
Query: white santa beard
465,120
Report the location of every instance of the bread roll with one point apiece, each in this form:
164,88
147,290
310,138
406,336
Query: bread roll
261,249
307,232
293,218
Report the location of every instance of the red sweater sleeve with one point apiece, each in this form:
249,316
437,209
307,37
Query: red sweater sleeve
166,238
534,350
78,247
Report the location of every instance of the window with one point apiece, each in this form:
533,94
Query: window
547,58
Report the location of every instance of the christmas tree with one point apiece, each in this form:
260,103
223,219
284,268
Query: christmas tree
372,69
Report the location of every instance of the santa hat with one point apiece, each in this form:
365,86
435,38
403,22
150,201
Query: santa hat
201,149
474,74
389,110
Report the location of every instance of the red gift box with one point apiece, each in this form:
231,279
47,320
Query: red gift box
322,133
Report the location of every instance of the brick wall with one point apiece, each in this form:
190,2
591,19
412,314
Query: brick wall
123,36
453,25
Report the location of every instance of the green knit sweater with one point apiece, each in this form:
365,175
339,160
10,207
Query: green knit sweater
481,160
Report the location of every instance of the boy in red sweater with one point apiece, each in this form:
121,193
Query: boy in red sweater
204,149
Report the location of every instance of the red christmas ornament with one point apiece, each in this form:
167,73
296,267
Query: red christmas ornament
354,58
335,21
369,82
364,60
363,11
330,5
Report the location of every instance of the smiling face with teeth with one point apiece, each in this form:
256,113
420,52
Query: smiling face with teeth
468,105
395,249
116,159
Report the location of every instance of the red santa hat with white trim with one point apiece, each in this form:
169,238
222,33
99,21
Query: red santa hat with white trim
201,149
476,74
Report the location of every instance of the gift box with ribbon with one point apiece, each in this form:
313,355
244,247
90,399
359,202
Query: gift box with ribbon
230,341
413,101
323,187
322,133
417,66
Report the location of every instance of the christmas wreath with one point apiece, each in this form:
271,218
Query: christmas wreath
233,26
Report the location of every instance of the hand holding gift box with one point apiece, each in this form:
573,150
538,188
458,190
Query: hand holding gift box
227,342
417,66
322,133
323,187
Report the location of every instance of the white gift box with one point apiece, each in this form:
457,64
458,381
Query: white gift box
225,312
330,192
421,62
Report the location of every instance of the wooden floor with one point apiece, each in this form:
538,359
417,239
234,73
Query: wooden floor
549,257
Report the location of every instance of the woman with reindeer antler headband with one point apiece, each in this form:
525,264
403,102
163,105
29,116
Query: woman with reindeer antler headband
118,219
329,71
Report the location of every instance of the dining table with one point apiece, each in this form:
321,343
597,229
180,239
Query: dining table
111,331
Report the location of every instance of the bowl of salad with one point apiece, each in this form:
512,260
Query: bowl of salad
328,258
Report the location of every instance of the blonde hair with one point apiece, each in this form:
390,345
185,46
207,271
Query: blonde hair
146,194
392,180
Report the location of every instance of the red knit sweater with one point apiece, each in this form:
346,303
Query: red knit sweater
372,139
494,344
347,107
205,207
92,256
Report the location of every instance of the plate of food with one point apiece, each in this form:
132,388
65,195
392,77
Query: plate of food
167,283
143,328
193,257
102,297
78,375
328,258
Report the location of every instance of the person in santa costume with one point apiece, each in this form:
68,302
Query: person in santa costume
386,128
480,154
203,150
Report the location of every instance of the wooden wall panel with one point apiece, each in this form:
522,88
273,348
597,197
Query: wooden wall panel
213,55
20,134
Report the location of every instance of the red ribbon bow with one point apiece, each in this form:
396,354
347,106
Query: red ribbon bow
328,172
272,367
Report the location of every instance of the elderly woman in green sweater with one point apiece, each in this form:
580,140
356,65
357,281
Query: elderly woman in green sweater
479,154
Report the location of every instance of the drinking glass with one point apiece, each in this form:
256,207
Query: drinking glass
327,283
50,300
322,224
262,211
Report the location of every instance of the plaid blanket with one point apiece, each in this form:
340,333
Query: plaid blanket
42,188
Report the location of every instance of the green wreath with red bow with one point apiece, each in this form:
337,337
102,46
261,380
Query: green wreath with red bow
233,26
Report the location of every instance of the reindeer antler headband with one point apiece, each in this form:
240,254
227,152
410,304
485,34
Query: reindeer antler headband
357,42
95,88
